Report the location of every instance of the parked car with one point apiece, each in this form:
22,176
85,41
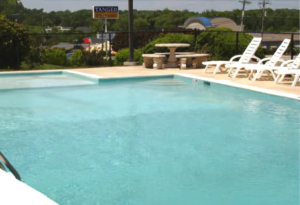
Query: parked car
70,53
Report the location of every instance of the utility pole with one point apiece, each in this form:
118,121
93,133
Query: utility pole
244,2
262,5
43,20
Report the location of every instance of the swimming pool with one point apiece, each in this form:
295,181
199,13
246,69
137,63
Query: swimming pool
153,141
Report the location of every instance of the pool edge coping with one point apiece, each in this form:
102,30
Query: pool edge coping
241,86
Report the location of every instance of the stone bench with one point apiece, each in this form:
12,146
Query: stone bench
186,60
189,60
176,53
154,61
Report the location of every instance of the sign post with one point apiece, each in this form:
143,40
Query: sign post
105,12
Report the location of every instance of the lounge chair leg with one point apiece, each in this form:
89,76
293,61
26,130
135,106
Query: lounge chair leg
236,72
204,71
247,72
230,70
251,73
296,80
217,68
256,76
282,77
274,77
278,78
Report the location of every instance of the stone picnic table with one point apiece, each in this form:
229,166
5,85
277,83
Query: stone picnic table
172,61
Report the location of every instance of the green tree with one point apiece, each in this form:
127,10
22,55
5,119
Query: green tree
141,24
221,44
123,55
56,57
76,58
14,44
95,25
48,23
271,29
29,22
294,29
35,58
170,38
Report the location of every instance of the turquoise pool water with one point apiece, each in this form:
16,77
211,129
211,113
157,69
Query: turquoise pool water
40,80
156,142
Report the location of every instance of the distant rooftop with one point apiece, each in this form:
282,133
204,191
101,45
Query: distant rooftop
203,23
84,29
269,37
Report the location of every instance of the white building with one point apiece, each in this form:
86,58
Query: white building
84,29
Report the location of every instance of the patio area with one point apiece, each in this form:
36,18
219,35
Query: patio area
129,71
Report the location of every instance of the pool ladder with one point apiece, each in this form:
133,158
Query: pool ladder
5,163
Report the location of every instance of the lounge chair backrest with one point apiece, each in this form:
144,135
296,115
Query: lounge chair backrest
250,50
279,52
295,64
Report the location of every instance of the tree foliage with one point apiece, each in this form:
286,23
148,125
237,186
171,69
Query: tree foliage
35,58
277,20
14,44
170,38
56,57
123,55
222,46
76,58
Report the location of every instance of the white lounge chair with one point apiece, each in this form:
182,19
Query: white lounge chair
292,69
244,58
260,67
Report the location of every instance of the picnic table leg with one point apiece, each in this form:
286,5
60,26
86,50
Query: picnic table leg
183,63
172,61
158,63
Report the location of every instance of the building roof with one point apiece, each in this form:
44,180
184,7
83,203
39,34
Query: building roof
224,22
204,23
270,37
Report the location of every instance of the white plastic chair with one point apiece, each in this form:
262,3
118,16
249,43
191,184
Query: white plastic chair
292,69
244,58
260,67
269,66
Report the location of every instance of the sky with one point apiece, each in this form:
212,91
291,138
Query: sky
191,5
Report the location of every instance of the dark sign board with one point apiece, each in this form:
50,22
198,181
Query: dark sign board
105,12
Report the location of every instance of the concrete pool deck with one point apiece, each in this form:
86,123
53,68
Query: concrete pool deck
130,71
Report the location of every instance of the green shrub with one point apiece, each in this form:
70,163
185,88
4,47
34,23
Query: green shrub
34,59
76,59
170,38
94,59
123,55
221,46
56,57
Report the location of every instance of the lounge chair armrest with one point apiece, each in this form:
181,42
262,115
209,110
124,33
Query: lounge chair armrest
257,58
234,57
286,63
263,60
